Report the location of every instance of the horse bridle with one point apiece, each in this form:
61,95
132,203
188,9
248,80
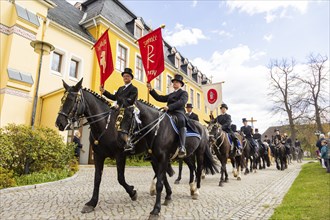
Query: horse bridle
216,137
77,110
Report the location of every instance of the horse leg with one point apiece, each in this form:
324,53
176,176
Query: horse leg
177,181
246,166
99,165
161,172
235,167
168,197
121,162
239,168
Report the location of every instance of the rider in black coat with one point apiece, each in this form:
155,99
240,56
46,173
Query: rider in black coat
225,120
190,114
125,97
176,102
248,133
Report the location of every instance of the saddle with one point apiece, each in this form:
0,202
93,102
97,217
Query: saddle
191,128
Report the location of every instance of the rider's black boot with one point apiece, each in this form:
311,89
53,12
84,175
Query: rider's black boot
182,137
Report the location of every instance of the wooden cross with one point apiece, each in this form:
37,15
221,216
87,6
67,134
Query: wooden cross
252,120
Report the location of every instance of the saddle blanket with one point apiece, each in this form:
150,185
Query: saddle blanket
231,141
189,133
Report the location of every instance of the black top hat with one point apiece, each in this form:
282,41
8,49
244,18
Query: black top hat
128,71
189,105
178,78
223,105
256,129
244,120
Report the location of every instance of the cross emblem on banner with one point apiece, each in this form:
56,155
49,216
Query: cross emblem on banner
252,120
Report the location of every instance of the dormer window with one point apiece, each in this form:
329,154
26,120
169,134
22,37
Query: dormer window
189,71
138,31
138,28
177,62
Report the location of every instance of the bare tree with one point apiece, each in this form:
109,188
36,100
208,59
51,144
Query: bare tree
284,91
316,84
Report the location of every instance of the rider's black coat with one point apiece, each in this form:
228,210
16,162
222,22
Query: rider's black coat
124,97
192,116
247,130
225,121
176,102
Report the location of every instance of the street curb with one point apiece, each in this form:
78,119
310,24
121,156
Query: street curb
35,186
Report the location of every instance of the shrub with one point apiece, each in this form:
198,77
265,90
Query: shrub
23,150
6,178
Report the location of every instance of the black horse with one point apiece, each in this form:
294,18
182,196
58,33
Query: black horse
263,159
250,156
280,156
221,147
162,140
77,103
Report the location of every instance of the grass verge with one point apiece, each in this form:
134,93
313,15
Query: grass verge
309,196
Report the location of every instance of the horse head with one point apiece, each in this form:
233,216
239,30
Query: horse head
72,106
214,129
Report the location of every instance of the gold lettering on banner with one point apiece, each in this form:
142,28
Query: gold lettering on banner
151,54
149,40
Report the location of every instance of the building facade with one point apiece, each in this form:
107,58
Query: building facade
73,30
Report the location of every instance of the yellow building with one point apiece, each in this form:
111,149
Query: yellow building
73,30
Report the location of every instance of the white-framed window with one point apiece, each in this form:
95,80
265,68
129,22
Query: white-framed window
191,94
158,82
75,67
139,69
177,62
199,78
189,71
169,84
138,31
198,100
122,57
57,62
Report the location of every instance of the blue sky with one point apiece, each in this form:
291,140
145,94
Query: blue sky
233,41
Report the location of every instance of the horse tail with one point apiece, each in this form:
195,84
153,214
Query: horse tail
210,165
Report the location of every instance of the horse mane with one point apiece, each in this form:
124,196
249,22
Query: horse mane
97,96
148,104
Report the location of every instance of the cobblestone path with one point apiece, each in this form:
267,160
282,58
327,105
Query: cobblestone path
254,197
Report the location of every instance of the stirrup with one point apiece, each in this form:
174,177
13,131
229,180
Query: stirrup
182,153
129,147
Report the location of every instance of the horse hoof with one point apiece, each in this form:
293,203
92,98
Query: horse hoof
167,202
87,209
153,217
134,197
203,176
177,182
238,178
221,184
194,197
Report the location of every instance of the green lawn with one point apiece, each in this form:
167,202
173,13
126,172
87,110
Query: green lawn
308,197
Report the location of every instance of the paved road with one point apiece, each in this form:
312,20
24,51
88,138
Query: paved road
254,197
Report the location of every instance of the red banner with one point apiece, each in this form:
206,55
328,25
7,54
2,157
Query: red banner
104,56
151,48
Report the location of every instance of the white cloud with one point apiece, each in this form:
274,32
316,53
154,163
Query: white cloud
268,37
272,9
194,4
224,23
245,87
183,36
225,34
